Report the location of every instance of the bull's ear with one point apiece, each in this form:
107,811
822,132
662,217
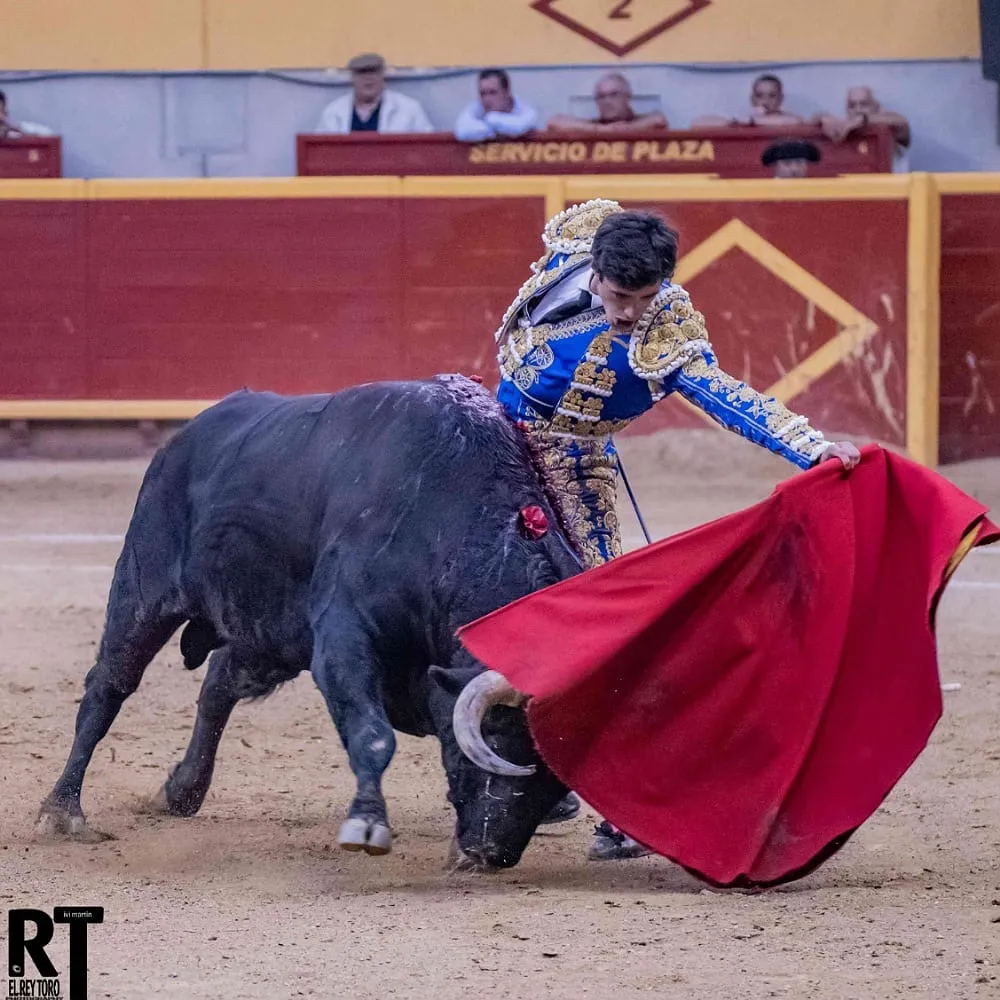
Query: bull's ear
451,680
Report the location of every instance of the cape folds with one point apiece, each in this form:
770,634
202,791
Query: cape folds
742,696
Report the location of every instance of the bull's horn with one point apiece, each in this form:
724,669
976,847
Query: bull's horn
478,696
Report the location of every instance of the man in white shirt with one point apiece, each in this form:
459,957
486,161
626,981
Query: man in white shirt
370,107
10,129
497,112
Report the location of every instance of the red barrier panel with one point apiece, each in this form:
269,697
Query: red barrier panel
970,326
195,298
463,261
804,299
190,298
44,334
31,157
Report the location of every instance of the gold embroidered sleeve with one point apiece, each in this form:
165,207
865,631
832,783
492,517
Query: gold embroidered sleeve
740,408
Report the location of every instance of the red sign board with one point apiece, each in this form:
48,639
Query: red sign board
30,157
727,152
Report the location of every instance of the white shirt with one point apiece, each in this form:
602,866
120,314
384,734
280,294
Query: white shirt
398,113
565,291
475,124
30,128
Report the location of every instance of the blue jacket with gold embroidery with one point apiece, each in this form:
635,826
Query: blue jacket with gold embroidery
579,378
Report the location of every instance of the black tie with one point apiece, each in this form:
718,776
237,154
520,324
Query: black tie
569,309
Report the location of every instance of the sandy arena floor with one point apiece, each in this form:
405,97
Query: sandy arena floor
251,899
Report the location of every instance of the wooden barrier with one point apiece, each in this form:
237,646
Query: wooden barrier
804,317
183,291
724,152
147,300
30,157
970,315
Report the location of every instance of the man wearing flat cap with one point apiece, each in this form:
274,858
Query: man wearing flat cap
370,107
791,157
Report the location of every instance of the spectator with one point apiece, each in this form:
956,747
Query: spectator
791,157
371,107
613,95
10,129
863,110
767,107
497,112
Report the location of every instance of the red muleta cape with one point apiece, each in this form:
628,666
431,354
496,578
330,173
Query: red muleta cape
742,696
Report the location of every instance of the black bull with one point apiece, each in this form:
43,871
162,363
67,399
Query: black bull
349,534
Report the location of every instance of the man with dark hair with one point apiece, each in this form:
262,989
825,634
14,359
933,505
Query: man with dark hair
10,129
767,94
595,337
791,157
497,112
767,99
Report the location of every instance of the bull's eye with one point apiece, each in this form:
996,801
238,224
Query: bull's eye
533,522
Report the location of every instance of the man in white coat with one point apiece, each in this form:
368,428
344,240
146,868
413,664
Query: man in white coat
370,107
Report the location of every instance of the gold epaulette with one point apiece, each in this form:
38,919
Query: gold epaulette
573,230
670,333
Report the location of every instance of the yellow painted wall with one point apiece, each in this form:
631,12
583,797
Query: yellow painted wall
101,34
253,34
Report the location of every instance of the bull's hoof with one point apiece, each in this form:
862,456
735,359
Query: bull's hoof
161,804
370,836
158,804
57,823
167,802
565,809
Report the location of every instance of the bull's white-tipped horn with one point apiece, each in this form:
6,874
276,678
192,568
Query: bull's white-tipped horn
477,698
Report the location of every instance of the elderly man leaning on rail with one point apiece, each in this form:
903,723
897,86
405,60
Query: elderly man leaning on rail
862,110
496,113
371,107
613,96
10,129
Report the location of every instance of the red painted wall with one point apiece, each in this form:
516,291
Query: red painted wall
761,328
970,326
194,298
44,335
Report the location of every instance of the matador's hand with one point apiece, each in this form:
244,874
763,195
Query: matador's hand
845,451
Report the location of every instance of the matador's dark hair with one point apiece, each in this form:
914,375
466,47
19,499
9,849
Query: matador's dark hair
634,250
